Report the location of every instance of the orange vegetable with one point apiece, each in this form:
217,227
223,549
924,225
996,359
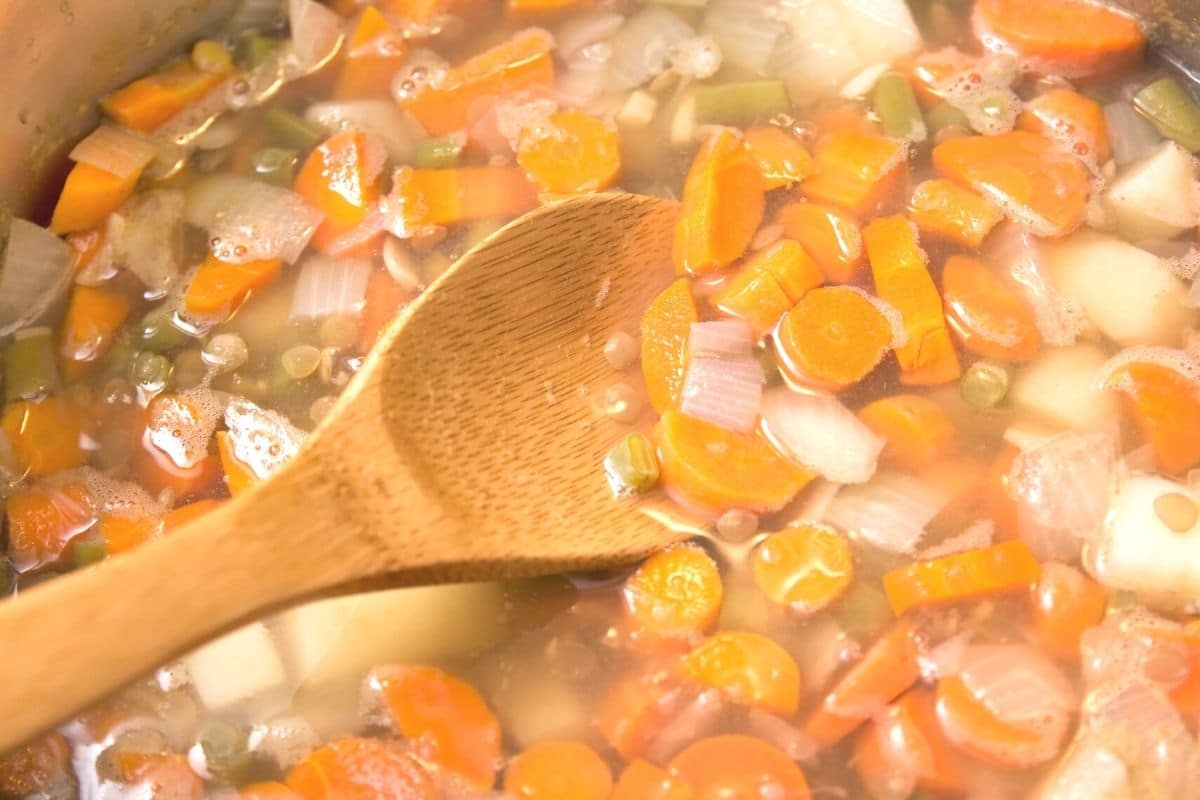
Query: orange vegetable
42,768
749,668
219,287
1004,567
42,521
1026,174
998,504
88,197
833,338
360,769
782,159
857,171
1165,407
1065,37
178,517
448,196
122,534
887,669
902,279
238,476
156,471
735,766
832,237
908,740
771,282
87,245
1071,119
148,102
165,776
988,317
93,317
519,63
718,470
635,711
384,300
46,435
917,430
1065,604
676,593
722,206
419,11
666,326
845,117
977,731
374,52
932,71
641,780
272,790
558,771
339,179
943,209
576,153
450,718
527,8
805,567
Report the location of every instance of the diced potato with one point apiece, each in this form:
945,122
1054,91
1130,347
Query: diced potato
1124,291
240,674
882,30
1060,388
537,707
1156,198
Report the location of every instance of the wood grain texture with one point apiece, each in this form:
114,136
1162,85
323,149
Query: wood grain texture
465,449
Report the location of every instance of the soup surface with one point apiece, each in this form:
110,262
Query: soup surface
924,370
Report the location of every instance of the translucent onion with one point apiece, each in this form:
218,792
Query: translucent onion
36,273
380,118
1141,725
640,48
889,512
724,391
329,287
1130,135
316,33
584,29
147,237
250,220
818,432
731,338
1059,320
1019,684
1088,771
115,149
817,54
746,31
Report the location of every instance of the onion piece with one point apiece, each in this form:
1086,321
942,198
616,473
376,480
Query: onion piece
730,338
724,391
1014,249
746,31
316,33
640,48
1130,135
1088,771
147,237
1019,684
585,29
329,287
889,512
115,149
36,272
249,220
263,440
817,54
817,432
976,536
380,118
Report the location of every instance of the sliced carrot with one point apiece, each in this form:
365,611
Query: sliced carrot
360,769
1005,567
719,470
385,297
219,287
908,741
977,731
557,770
447,196
164,776
735,766
888,668
948,211
374,52
931,72
1065,604
122,534
676,593
749,668
339,179
988,317
833,338
447,715
918,431
93,317
1165,407
1069,118
856,171
641,780
42,521
46,435
806,567
902,279
831,236
576,152
636,709
666,325
519,63
781,157
271,790
1028,175
178,517
88,197
771,282
1073,38
42,768
998,503
722,206
148,102
158,472
239,477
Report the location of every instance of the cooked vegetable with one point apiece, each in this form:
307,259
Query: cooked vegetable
1062,388
1156,198
749,668
551,770
770,283
148,103
987,316
338,180
905,747
917,431
219,287
29,365
782,158
42,521
1172,110
641,780
856,171
676,593
631,466
736,103
942,209
1065,604
360,769
1164,404
830,236
422,199
1074,120
666,325
896,106
834,337
738,766
576,152
963,576
375,52
805,567
89,327
984,384
46,435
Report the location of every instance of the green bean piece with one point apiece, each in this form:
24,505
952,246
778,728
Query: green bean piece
944,115
896,106
212,57
88,551
252,49
275,165
632,465
292,130
30,369
1172,110
984,384
159,334
864,610
226,750
733,103
442,152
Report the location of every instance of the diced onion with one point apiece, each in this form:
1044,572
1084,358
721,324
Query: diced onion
36,272
818,432
115,149
316,33
975,536
1088,771
261,439
724,391
380,118
1018,683
1130,135
329,287
249,220
147,237
817,54
640,48
1059,320
889,512
585,29
722,339
746,31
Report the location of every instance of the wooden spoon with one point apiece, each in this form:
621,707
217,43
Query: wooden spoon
468,447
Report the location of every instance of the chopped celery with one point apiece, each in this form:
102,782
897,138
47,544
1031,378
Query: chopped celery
212,57
275,165
1172,110
896,106
632,466
88,551
984,384
442,152
292,130
732,103
252,49
29,365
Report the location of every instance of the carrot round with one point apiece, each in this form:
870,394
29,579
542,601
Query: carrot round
1005,567
942,209
94,315
917,429
1070,118
641,780
771,282
782,159
856,171
833,338
374,53
338,179
676,593
749,668
908,740
635,710
739,766
666,324
558,771
46,435
219,287
1165,406
436,197
88,197
831,236
719,470
1065,604
360,769
576,153
805,567
987,316
271,790
122,534
42,521
722,205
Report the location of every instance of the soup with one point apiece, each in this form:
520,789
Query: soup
923,375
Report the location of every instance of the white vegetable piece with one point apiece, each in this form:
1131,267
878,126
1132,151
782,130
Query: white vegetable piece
1158,197
35,272
818,432
882,30
889,512
538,707
1124,291
1089,771
1061,389
817,54
240,672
